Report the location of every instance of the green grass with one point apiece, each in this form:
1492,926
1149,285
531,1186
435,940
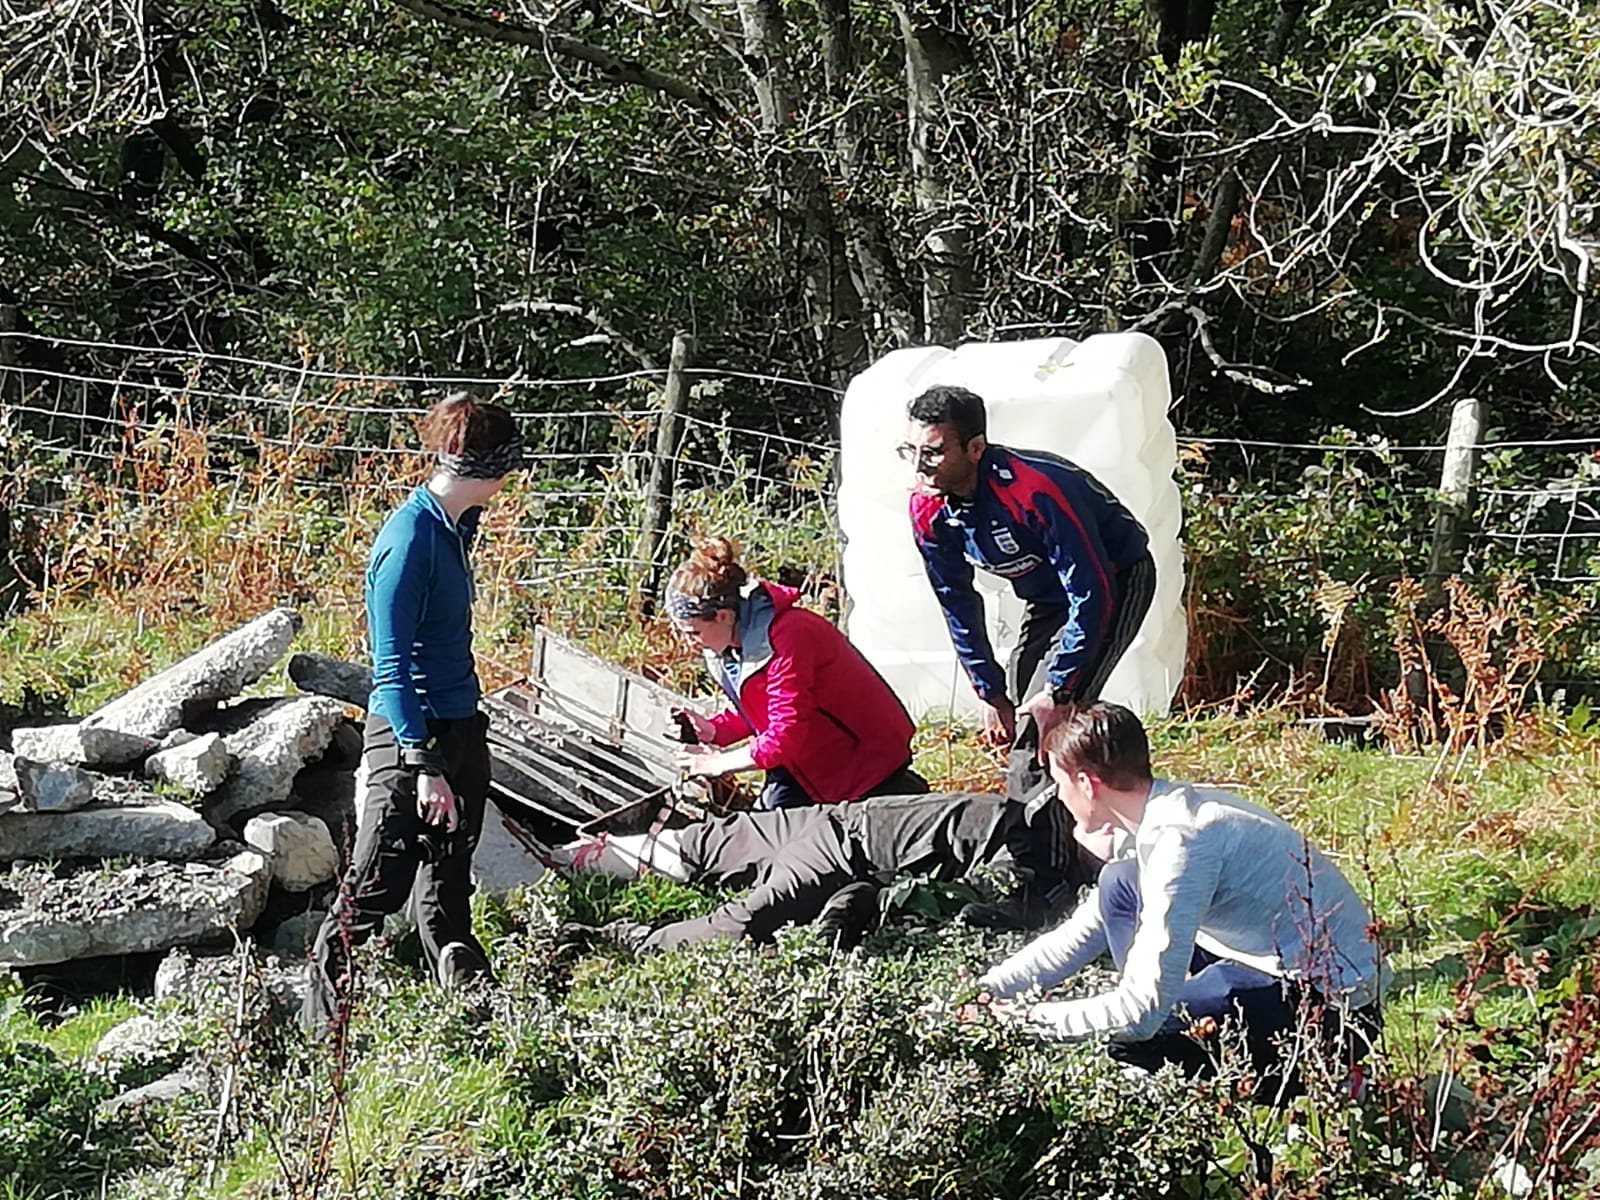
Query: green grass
74,1036
797,1071
671,1071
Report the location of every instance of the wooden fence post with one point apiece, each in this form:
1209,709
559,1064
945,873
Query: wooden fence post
663,474
1467,419
10,393
10,384
1455,489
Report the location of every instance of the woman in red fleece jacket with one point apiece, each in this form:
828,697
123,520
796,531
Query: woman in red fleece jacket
809,710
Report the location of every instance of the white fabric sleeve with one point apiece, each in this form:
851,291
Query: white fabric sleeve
1176,884
1054,956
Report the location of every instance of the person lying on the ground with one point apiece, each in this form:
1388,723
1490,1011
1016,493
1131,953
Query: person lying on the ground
1222,912
801,861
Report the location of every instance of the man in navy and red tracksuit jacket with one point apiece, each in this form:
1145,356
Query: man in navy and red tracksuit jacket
1073,553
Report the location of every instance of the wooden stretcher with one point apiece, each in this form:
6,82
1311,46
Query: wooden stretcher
582,746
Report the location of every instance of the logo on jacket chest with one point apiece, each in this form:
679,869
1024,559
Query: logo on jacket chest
1002,554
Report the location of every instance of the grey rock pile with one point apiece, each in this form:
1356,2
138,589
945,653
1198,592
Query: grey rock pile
121,833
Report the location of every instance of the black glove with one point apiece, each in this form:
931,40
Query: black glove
686,733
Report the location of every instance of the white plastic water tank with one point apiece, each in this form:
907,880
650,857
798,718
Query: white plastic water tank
1101,403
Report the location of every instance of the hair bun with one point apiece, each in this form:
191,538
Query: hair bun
713,570
715,552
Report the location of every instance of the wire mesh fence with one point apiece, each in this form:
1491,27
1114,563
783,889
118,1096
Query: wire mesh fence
130,424
80,410
1534,508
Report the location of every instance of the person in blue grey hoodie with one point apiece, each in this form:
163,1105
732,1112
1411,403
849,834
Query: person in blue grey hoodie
426,753
1073,553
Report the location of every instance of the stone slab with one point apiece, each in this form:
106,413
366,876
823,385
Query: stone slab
326,676
58,916
297,845
52,787
80,743
207,982
218,672
140,1042
292,937
198,765
155,829
270,752
185,1081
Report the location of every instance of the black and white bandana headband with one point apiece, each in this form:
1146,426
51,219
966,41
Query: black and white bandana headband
683,607
484,464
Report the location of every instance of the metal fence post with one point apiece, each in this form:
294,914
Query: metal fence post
663,474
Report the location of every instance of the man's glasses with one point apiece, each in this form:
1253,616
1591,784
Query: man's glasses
927,458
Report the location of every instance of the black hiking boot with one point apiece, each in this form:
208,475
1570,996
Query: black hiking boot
848,915
1012,913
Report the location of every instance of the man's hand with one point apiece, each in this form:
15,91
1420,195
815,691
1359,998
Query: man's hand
1046,713
976,1010
990,1008
1000,721
1009,1011
700,761
436,802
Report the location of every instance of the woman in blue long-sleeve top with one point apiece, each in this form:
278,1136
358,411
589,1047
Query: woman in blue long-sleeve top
426,752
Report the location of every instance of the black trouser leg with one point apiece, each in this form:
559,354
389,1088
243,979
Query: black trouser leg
1272,1020
391,844
379,876
781,790
1026,674
1030,667
904,782
737,851
804,875
442,894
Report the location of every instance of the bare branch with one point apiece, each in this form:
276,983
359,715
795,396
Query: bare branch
612,67
592,315
1262,379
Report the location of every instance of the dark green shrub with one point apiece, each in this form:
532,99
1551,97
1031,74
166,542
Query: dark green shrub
51,1141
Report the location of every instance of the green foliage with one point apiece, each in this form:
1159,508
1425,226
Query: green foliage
798,1072
1291,579
597,899
1281,569
374,189
51,1140
73,1034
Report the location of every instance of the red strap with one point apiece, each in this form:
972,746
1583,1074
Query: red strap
590,851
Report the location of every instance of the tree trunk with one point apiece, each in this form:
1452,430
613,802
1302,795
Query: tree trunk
804,208
875,269
1179,22
947,240
1225,202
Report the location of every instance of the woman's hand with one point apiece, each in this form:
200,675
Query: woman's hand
704,731
436,802
704,762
